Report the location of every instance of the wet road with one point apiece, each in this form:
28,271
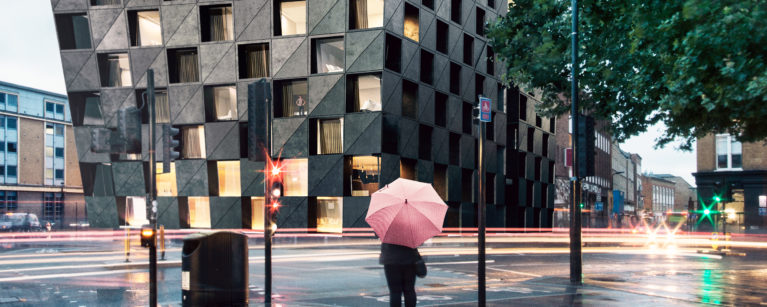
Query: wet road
521,270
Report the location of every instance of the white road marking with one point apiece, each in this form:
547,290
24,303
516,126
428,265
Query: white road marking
515,272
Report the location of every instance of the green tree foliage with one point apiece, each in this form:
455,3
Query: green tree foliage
696,65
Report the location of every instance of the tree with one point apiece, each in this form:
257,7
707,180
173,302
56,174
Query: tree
696,65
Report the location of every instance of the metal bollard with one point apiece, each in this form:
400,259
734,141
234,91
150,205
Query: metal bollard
127,245
162,242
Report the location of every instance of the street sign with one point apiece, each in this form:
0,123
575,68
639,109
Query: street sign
598,206
485,113
762,211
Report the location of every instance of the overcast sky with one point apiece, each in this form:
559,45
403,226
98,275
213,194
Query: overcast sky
30,56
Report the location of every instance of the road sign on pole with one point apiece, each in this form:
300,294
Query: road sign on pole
485,109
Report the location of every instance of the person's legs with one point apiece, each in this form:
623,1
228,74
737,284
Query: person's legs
394,281
408,284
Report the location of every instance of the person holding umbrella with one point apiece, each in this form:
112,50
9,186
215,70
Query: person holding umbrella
404,214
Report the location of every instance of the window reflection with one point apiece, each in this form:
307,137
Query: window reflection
328,55
292,18
364,93
364,175
145,29
220,103
166,182
193,142
114,70
295,177
199,212
135,211
330,214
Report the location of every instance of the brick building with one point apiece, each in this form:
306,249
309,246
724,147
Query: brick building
659,196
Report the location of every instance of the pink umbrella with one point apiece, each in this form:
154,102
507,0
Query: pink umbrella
406,212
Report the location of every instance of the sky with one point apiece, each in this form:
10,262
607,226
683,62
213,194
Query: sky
29,56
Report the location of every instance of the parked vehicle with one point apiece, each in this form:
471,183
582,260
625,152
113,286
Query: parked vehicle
19,222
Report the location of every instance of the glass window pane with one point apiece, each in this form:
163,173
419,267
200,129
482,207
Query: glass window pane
257,213
737,154
330,214
721,151
149,29
254,61
330,138
296,177
293,98
292,17
199,212
135,211
193,142
114,70
49,151
411,22
365,172
366,91
166,182
221,103
365,14
217,23
228,178
59,174
328,55
12,104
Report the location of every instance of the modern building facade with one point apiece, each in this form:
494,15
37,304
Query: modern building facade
364,92
39,171
737,172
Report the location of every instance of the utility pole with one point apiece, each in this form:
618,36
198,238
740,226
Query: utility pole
152,193
576,260
481,216
267,206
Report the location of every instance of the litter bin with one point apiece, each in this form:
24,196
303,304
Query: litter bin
214,269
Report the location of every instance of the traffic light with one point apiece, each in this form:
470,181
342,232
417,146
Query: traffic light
275,192
259,111
128,134
101,140
585,147
169,144
147,236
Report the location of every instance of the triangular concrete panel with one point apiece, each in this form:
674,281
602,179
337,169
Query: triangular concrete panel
362,133
186,105
326,175
117,36
411,57
114,99
252,178
68,5
192,177
225,212
87,76
222,140
218,64
364,50
140,60
408,138
287,130
391,93
327,16
425,105
292,59
183,25
160,68
128,178
326,95
73,62
253,20
394,14
101,22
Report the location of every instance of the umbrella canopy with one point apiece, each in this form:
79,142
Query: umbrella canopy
406,212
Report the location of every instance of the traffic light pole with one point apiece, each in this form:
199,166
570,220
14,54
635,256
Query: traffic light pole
267,206
152,193
481,295
576,258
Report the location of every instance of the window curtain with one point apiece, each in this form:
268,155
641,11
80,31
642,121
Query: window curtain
330,136
294,100
258,62
361,14
224,102
193,143
187,66
199,212
162,108
221,24
355,88
228,178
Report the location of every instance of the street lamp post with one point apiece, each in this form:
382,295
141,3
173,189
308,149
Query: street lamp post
576,260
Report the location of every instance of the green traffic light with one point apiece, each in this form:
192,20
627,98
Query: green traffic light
717,198
706,212
581,205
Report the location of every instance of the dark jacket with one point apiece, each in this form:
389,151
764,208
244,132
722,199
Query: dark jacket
398,254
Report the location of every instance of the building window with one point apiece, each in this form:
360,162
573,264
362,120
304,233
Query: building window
729,152
442,36
479,84
73,31
257,213
292,16
455,11
365,14
501,92
523,107
145,29
114,69
193,142
11,200
455,148
330,214
427,67
216,23
455,78
467,185
440,109
54,110
135,211
466,120
290,98
198,212
162,108
254,61
363,175
166,182
105,2
295,178
228,178
440,180
407,168
327,55
411,22
182,65
54,154
468,50
9,102
480,22
330,136
393,53
220,103
409,99
363,93
85,109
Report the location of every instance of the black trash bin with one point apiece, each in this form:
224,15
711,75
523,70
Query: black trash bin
214,269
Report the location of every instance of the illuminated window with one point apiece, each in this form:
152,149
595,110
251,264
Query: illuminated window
257,213
364,14
290,98
411,22
330,214
364,175
228,178
407,168
364,93
295,177
145,29
166,182
729,152
193,142
216,23
329,136
114,70
135,211
292,16
327,55
199,212
220,103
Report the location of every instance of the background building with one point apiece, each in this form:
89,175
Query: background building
39,172
364,91
626,186
659,196
684,193
737,172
